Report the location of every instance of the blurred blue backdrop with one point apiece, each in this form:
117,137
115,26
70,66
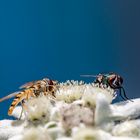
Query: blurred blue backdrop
63,39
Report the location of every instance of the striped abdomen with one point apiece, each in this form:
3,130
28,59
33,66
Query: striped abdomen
25,94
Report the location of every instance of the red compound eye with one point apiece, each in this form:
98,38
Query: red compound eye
112,78
50,82
115,81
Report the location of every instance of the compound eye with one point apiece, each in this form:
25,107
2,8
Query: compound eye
113,81
50,82
118,81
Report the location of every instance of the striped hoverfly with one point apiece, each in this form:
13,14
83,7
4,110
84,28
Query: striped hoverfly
31,89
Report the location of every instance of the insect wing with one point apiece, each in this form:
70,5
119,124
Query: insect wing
88,75
94,75
9,96
27,85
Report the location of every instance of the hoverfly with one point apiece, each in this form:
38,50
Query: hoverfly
111,80
31,89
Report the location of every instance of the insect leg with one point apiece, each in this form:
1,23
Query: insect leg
121,95
125,94
21,110
23,104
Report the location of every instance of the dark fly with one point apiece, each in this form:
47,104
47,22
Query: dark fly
111,80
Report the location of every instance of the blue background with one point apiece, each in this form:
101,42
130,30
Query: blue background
62,39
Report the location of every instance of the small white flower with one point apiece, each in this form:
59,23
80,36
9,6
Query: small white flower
91,134
103,114
73,115
64,138
9,128
38,133
124,138
55,130
92,90
71,83
126,109
128,128
38,110
16,137
55,111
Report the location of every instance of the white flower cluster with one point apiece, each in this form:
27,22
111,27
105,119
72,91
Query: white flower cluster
70,91
79,111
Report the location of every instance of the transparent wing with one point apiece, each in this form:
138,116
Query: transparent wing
105,74
27,85
88,75
9,96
